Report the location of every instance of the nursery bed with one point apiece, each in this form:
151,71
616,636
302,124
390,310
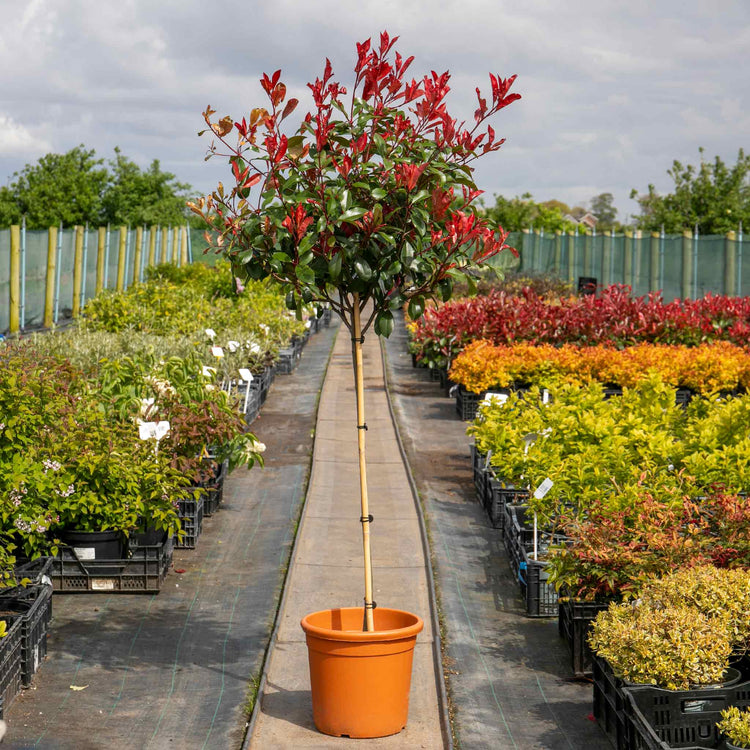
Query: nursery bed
510,676
173,669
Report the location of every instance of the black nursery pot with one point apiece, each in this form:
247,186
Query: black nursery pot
94,545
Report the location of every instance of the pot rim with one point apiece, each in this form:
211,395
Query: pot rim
359,636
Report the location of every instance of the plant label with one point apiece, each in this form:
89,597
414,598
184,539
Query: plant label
545,397
162,428
102,584
211,333
147,430
217,351
208,372
85,553
254,349
233,346
246,375
543,488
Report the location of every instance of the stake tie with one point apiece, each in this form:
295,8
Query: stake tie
366,519
360,339
371,605
362,426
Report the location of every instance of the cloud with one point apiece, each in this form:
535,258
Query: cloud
16,139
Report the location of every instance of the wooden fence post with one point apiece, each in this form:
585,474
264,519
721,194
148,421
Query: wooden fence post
77,271
137,255
121,259
49,288
15,279
100,260
183,247
653,270
152,246
730,264
558,252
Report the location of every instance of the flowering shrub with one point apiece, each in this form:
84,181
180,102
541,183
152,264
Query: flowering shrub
613,318
710,368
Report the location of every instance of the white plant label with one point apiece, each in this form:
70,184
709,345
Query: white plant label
208,372
545,396
233,346
211,333
102,584
162,429
85,553
254,349
307,324
246,375
217,351
543,488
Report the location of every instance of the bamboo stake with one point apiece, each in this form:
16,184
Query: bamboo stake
121,259
369,624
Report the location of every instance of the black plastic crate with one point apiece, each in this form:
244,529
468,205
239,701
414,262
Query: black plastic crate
213,491
679,718
498,494
288,360
683,396
539,594
609,703
34,605
142,572
478,462
11,660
190,512
574,623
467,403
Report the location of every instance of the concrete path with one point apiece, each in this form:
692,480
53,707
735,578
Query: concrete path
327,570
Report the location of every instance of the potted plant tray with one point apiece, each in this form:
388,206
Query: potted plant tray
33,603
142,572
540,595
574,621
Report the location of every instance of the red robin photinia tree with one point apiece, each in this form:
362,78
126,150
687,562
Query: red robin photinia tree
369,205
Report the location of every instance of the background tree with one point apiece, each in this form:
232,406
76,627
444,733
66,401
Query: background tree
712,197
134,197
602,207
519,213
76,188
63,188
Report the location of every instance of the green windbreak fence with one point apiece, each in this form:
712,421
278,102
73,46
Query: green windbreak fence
47,275
680,266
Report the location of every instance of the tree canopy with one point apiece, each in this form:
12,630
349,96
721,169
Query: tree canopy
712,197
78,188
519,213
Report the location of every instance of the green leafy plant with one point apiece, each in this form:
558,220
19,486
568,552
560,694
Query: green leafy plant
675,647
735,725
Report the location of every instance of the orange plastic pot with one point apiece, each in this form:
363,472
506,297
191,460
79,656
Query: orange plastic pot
360,681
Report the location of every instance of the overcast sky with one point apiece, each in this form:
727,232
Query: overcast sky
613,92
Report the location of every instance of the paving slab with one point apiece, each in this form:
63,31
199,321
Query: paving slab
327,570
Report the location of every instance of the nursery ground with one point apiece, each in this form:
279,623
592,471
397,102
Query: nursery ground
175,669
509,675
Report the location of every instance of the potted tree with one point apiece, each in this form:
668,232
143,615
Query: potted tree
367,207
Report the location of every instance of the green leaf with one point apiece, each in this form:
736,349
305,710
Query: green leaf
352,214
416,308
384,323
378,194
334,266
305,274
362,269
